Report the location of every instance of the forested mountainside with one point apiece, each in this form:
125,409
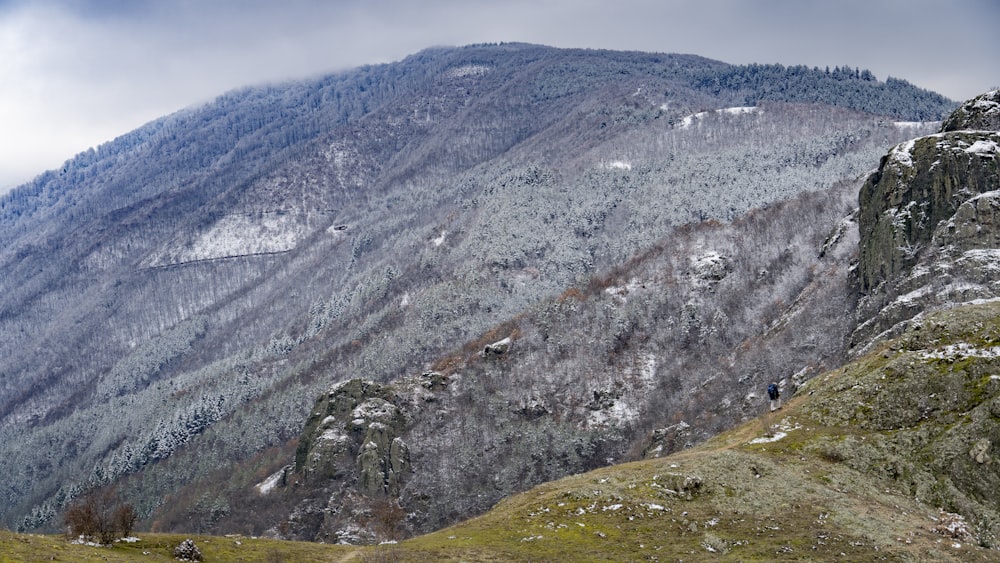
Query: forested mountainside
174,302
888,457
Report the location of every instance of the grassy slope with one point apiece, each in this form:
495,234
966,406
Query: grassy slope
870,454
159,547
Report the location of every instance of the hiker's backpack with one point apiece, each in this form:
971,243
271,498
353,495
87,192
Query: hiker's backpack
772,391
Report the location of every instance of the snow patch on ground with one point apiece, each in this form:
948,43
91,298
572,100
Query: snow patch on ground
960,351
440,239
239,235
639,377
739,110
467,70
619,412
768,439
781,432
616,165
82,540
689,120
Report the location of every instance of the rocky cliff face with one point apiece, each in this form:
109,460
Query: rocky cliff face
980,113
352,449
929,234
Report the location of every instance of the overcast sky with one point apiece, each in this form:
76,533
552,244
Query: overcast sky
77,73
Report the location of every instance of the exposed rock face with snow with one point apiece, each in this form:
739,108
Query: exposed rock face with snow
709,268
670,439
498,348
929,228
351,446
979,113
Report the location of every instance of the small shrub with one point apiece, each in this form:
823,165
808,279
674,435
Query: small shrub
387,516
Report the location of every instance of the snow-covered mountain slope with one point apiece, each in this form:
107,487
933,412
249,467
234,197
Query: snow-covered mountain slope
173,302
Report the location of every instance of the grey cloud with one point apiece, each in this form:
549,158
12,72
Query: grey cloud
93,69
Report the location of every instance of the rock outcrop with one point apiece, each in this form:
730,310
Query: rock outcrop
929,231
353,450
980,113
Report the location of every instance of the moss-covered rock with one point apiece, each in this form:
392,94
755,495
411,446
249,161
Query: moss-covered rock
929,223
918,185
353,457
923,410
332,414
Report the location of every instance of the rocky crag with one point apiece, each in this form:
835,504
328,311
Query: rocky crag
352,449
929,224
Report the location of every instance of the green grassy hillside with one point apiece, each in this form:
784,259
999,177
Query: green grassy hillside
160,547
888,458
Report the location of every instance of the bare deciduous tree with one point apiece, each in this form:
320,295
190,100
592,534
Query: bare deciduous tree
98,516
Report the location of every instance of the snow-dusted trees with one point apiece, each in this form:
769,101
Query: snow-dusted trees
426,202
755,83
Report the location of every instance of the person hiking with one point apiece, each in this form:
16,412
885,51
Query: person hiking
774,394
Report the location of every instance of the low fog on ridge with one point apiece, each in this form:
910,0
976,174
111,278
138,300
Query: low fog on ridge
79,73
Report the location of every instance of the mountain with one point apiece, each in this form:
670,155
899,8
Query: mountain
498,265
889,458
